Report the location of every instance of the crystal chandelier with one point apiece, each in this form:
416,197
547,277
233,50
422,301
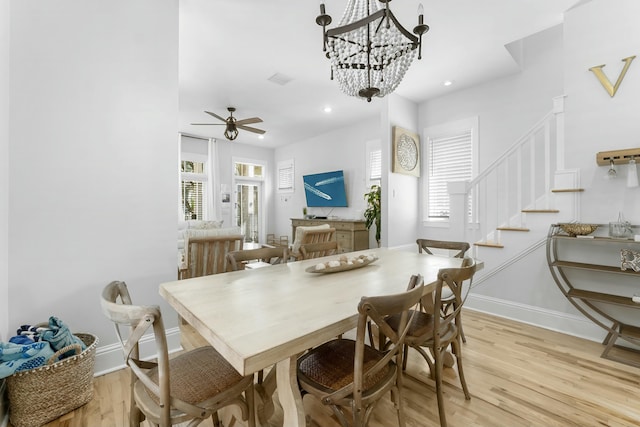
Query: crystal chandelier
370,51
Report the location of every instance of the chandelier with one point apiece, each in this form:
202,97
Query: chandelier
370,51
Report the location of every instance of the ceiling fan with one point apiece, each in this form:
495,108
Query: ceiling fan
232,124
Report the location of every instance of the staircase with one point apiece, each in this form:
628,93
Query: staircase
520,194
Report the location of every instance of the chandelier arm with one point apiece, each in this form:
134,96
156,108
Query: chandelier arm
356,24
403,30
379,25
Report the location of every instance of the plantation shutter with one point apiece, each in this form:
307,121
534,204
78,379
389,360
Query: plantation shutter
450,159
285,176
193,195
375,165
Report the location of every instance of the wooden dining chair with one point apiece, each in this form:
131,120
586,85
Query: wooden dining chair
427,245
317,250
272,255
344,373
432,330
208,255
452,249
314,235
191,387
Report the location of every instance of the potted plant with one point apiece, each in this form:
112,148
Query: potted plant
372,213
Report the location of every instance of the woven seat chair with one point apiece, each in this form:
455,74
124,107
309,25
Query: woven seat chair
236,259
430,329
459,248
317,250
347,373
191,387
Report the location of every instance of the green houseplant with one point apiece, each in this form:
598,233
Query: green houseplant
372,213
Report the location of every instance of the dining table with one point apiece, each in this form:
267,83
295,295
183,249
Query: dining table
259,318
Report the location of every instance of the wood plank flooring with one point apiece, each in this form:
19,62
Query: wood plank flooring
519,376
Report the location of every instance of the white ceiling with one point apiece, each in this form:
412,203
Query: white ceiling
229,49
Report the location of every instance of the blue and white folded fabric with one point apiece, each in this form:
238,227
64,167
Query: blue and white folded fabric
31,332
20,357
59,335
55,333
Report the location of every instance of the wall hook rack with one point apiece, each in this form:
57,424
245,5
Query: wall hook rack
618,157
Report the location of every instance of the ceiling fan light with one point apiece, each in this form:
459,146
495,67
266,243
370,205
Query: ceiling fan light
231,133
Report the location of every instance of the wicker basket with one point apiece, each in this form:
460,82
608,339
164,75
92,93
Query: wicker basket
574,229
43,394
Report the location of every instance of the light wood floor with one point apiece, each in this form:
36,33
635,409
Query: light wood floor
518,375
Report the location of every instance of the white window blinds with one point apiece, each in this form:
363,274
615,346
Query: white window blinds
450,159
285,176
375,165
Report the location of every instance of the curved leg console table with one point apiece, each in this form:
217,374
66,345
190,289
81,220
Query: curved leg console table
600,275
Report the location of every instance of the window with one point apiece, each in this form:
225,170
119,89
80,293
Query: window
248,170
451,152
375,165
193,186
285,176
373,162
195,178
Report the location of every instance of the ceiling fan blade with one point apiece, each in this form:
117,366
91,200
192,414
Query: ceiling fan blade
250,129
209,124
249,121
216,116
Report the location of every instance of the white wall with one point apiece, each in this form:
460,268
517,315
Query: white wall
343,148
93,177
399,191
602,32
4,168
507,107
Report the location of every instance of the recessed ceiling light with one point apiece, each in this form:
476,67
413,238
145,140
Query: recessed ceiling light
447,82
260,136
327,109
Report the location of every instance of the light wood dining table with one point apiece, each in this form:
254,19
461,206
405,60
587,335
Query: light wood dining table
268,316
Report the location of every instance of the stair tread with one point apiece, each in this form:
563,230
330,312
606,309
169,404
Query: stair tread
540,210
489,244
512,229
567,190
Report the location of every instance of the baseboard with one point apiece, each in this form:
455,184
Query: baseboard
565,323
109,358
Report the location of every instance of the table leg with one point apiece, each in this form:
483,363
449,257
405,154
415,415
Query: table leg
265,392
289,394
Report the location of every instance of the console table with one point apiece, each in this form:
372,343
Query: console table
588,272
351,234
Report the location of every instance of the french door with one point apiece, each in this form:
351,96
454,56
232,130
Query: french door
248,210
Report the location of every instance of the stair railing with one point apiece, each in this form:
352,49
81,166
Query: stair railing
520,179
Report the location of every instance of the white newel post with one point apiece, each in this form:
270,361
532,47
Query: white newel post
457,209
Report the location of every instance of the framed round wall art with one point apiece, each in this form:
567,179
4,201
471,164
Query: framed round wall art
406,152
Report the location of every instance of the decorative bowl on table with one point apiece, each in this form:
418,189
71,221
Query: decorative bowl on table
343,263
574,229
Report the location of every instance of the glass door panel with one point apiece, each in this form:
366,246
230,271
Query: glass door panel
248,211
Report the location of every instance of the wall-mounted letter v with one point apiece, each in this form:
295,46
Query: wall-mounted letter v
611,89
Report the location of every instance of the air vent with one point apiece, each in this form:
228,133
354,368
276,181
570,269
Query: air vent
280,79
